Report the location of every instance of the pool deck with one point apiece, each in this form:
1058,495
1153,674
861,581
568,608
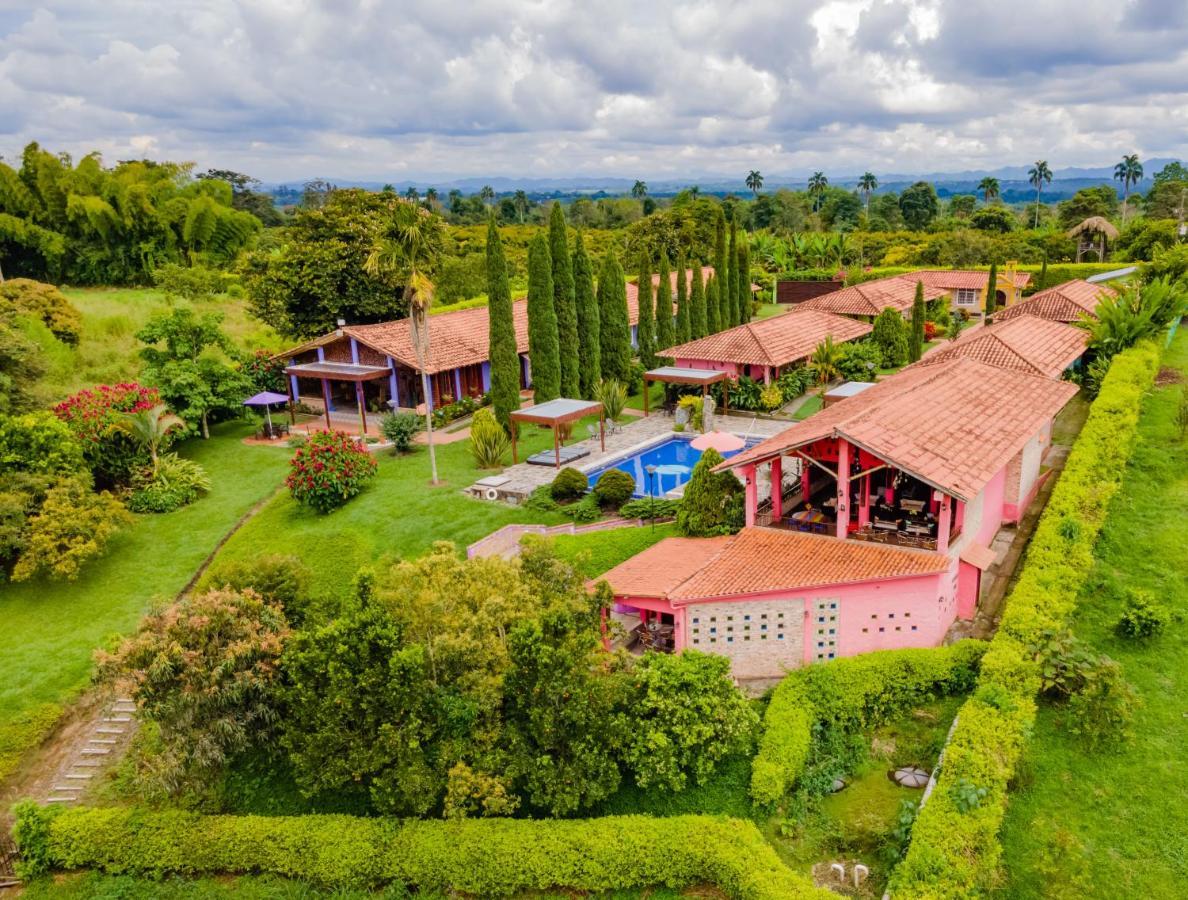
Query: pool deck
637,435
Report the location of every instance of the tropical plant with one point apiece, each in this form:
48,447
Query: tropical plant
1133,313
860,360
172,482
1037,175
754,182
150,429
692,404
1129,172
613,397
744,393
92,414
989,188
712,503
639,190
489,443
486,194
400,429
329,470
817,184
771,398
826,360
867,185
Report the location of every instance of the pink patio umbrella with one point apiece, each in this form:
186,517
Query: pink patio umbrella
722,441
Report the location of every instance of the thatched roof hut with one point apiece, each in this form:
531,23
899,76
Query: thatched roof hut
1092,236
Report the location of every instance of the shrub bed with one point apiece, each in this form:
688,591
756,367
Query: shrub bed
483,857
329,470
852,693
955,850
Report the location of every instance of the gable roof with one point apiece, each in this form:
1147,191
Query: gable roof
871,297
958,279
776,341
953,425
1065,302
1024,343
759,561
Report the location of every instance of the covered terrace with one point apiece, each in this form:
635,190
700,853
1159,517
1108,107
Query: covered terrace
689,377
326,372
556,414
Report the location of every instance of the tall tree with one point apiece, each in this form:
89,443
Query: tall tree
817,184
645,332
1129,172
698,326
614,325
754,182
715,322
501,332
682,299
486,194
919,204
1036,176
991,293
520,202
729,298
989,188
543,351
713,306
742,299
665,331
916,338
564,304
589,342
639,190
867,184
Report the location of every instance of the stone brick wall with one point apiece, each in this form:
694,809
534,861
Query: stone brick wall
762,638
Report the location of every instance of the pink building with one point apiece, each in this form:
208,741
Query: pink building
868,524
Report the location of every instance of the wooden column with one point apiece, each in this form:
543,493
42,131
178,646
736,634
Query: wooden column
646,386
556,448
843,487
291,383
512,428
602,428
777,489
362,405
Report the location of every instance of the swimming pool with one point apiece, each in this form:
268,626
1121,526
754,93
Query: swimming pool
674,459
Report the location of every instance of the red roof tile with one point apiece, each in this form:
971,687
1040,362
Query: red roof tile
1066,302
957,279
1025,343
776,341
953,425
762,560
871,297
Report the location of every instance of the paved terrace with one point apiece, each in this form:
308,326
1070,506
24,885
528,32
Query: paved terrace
634,436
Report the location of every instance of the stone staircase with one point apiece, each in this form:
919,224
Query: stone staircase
108,732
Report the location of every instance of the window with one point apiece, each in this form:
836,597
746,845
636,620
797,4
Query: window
967,297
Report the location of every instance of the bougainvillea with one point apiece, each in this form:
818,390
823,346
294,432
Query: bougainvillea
265,371
92,415
329,470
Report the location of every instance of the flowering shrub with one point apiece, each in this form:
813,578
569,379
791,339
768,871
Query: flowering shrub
329,470
92,415
265,372
452,409
930,331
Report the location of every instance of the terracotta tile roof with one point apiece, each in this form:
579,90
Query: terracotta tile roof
762,560
1025,343
777,341
955,279
1063,303
633,289
953,425
871,297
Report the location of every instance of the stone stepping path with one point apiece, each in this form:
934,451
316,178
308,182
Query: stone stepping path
112,729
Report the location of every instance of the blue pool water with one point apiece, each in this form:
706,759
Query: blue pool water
674,460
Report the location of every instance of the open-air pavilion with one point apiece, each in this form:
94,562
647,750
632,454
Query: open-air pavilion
679,375
338,371
555,413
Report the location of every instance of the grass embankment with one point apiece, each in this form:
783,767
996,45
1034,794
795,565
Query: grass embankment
51,628
1113,822
596,552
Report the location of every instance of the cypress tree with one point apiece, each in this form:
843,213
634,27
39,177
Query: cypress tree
543,351
743,297
729,290
991,295
713,322
682,300
916,339
614,325
589,351
713,314
504,361
564,303
665,333
645,332
697,305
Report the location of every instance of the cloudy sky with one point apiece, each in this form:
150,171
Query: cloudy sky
376,89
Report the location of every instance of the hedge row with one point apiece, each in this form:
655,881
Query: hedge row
853,693
1058,273
955,853
483,857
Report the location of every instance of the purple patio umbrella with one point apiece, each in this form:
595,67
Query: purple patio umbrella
266,399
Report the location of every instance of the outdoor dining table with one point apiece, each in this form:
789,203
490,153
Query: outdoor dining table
808,516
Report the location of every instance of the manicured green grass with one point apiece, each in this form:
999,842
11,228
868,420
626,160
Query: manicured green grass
767,310
811,405
52,628
596,552
1113,822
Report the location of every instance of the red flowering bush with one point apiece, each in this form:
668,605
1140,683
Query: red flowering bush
92,414
265,372
930,331
329,470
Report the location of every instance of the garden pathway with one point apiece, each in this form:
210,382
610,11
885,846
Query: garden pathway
94,749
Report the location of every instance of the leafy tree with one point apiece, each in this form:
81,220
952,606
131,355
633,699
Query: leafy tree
683,313
1129,172
991,292
712,503
916,343
1101,200
890,334
919,205
993,218
841,210
639,190
754,182
42,302
22,365
501,332
867,185
1173,171
962,206
588,324
665,333
742,300
543,351
246,196
181,358
564,302
38,442
72,527
206,675
714,308
698,305
989,188
1037,175
828,359
150,428
645,332
614,325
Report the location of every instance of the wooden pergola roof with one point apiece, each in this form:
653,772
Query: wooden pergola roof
552,413
337,371
681,375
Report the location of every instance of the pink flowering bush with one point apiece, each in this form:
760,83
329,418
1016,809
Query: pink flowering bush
329,470
92,415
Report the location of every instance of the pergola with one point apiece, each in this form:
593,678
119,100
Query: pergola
679,375
561,411
336,371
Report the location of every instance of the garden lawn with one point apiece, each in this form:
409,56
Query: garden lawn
812,405
51,628
596,552
1114,822
398,515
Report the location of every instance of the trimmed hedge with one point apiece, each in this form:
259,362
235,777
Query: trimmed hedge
1058,273
955,853
484,857
853,693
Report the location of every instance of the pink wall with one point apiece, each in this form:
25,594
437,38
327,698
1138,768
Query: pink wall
717,365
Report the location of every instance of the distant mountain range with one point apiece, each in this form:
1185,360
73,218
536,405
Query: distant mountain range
1012,180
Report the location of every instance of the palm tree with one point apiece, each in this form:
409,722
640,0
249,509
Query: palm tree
412,195
754,181
411,245
486,194
989,188
149,428
816,187
695,191
867,184
1129,171
520,202
639,190
1037,175
827,361
431,197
